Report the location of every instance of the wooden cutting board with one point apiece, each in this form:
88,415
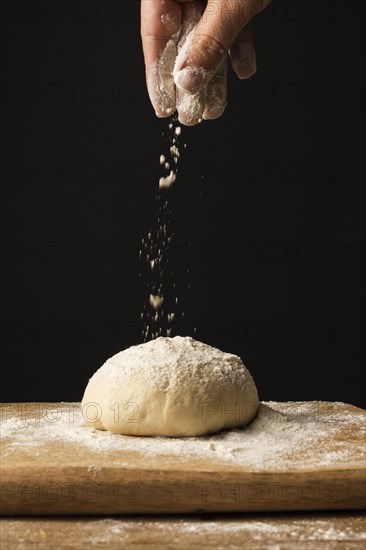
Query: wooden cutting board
285,531
294,456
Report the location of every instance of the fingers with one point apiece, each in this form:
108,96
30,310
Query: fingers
191,76
220,24
216,93
198,62
208,104
160,21
242,54
190,107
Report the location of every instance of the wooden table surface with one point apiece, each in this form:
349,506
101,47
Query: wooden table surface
322,530
54,464
281,531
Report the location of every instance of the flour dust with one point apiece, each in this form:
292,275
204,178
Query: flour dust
162,307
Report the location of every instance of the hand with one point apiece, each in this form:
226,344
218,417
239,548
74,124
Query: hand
186,45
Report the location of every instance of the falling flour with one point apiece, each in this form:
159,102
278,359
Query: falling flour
159,276
167,181
156,301
154,251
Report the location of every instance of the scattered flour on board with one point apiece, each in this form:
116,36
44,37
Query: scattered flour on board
282,437
236,532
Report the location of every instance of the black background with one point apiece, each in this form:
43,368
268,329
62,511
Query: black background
269,198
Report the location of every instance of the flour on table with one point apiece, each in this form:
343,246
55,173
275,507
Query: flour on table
229,531
283,437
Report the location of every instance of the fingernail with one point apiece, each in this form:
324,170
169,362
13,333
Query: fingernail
246,63
191,79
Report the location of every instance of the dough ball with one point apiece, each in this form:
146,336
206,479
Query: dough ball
170,387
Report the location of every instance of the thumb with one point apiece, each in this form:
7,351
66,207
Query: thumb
208,44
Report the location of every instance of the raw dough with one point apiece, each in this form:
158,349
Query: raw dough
170,387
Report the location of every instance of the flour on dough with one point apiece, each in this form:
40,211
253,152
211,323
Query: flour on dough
172,387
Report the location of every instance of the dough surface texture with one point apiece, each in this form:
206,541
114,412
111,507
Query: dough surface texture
173,387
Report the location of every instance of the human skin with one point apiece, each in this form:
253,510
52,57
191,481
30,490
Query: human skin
222,27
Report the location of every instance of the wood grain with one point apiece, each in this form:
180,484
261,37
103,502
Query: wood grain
55,478
311,531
